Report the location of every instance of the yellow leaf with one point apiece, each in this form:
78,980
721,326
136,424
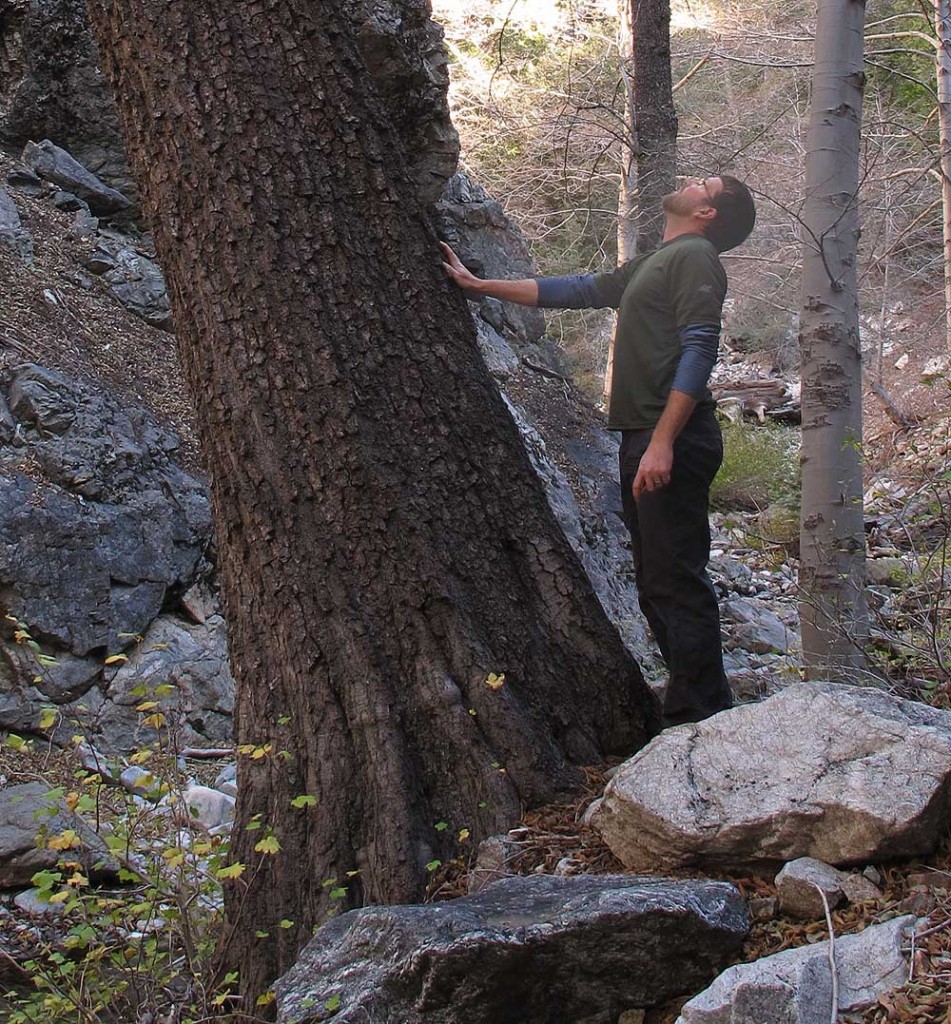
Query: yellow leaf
463,835
141,756
260,752
116,659
156,721
231,871
48,718
72,799
268,844
495,682
66,840
60,897
267,998
147,705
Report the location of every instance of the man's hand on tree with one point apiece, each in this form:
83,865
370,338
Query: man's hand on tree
454,269
653,471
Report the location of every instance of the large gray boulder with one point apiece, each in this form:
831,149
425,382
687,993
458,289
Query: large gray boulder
841,773
795,986
99,530
581,949
54,164
30,815
192,658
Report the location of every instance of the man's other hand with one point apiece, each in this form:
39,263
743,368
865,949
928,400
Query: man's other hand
654,469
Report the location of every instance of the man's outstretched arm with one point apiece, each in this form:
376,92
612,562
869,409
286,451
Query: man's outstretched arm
524,292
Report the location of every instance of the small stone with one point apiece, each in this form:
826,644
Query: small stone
85,225
930,878
591,811
493,861
872,874
141,782
32,903
797,886
67,202
763,908
859,889
921,904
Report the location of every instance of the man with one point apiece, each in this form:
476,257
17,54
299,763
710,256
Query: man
669,304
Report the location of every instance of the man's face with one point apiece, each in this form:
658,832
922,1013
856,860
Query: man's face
695,195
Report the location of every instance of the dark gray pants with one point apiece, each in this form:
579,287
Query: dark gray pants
670,540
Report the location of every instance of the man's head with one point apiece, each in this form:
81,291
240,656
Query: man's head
720,208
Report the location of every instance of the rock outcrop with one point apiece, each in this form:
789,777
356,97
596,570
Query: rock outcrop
580,949
845,774
99,530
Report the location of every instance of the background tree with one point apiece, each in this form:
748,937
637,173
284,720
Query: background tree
832,537
649,163
413,640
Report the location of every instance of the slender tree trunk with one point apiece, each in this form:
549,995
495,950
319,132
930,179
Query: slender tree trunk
943,68
832,575
649,161
655,119
413,640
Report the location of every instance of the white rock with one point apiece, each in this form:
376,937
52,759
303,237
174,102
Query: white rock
845,774
795,986
207,807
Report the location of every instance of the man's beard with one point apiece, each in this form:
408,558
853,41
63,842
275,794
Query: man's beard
678,204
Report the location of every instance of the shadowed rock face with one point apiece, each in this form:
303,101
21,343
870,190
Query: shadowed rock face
538,949
845,774
51,86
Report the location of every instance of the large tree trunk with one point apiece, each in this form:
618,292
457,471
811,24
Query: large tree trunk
832,574
385,549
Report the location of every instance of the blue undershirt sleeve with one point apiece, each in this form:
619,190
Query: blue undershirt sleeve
578,291
698,355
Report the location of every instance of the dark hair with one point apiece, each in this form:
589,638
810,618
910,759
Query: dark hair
735,217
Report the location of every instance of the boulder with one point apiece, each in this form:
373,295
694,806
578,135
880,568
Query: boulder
31,811
13,235
53,164
135,280
795,986
579,949
841,773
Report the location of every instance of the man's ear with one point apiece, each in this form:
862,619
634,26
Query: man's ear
706,213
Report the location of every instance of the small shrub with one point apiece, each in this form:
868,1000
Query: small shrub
760,468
